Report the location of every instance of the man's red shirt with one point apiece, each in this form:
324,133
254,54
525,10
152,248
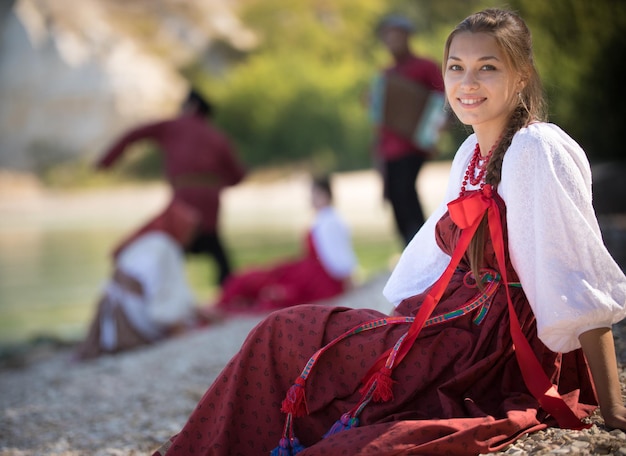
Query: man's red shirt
199,161
390,145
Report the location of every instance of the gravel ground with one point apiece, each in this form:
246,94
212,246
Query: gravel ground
130,403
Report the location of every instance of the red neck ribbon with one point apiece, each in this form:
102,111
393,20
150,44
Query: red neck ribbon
467,211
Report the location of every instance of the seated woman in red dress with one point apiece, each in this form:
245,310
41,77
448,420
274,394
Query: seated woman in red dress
504,299
323,271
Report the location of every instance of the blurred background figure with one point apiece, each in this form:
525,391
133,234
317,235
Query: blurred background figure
324,270
199,162
409,91
147,297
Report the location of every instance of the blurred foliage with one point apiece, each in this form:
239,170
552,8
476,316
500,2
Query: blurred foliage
301,96
580,48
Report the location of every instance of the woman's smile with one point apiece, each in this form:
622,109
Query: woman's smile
471,102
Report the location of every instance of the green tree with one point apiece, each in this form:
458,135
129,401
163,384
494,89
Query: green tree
580,48
300,95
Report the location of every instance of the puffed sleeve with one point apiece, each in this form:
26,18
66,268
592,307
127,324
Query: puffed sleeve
422,261
333,244
571,281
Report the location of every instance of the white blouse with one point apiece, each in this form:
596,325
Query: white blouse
571,281
333,243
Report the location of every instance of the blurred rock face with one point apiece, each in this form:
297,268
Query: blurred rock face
74,74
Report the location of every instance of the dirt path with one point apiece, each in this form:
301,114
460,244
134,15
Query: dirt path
127,404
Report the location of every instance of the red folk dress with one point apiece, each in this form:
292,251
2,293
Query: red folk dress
300,281
459,391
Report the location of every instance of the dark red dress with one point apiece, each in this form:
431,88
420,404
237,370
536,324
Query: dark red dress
459,391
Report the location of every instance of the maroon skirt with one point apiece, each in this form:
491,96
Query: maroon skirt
459,390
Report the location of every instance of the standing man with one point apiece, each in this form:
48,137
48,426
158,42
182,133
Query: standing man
199,162
398,156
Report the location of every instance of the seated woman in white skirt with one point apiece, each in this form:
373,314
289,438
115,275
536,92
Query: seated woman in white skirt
147,297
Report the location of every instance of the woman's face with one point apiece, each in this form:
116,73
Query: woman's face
480,85
319,198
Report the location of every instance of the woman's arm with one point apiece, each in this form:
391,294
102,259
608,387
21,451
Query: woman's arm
599,349
569,277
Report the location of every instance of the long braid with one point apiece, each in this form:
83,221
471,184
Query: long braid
520,118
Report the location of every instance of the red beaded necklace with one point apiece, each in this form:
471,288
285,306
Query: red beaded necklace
477,163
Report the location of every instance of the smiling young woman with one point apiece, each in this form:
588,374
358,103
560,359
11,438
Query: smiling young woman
497,297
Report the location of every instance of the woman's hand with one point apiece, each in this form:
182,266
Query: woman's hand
615,418
599,348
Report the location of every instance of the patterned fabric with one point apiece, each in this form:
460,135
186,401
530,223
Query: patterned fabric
459,390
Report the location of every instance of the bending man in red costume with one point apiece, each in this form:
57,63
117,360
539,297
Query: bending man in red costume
199,162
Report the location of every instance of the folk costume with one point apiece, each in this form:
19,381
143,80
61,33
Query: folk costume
199,163
147,297
468,364
323,272
400,159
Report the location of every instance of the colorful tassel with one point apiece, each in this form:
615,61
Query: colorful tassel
295,400
347,421
383,391
287,447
